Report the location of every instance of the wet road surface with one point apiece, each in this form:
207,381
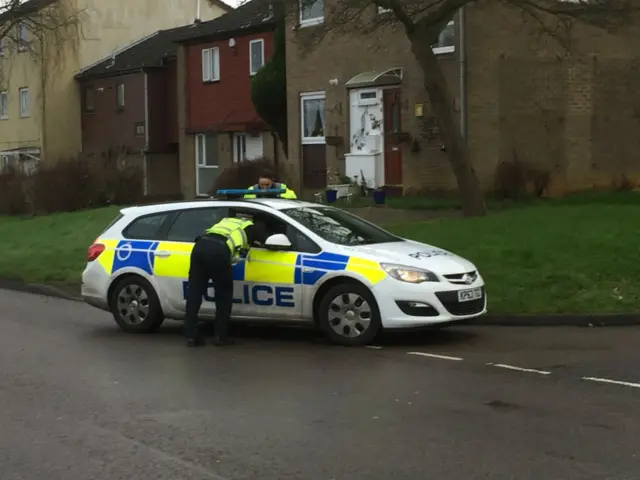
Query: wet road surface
80,400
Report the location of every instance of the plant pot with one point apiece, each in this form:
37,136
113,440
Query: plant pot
379,197
331,195
333,140
342,189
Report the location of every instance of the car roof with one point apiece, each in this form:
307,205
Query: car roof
273,203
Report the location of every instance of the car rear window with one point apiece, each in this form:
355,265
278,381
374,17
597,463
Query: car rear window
112,223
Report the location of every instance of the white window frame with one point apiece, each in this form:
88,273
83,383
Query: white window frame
251,43
449,48
4,96
211,64
21,91
311,96
119,94
22,42
309,21
200,165
239,147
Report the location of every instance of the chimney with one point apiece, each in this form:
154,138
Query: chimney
198,19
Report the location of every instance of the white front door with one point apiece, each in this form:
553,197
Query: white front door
247,147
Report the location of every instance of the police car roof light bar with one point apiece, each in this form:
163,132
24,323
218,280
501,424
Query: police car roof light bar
241,192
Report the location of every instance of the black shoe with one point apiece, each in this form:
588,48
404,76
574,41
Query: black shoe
195,342
223,342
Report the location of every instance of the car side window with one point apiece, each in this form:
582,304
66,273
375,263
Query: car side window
147,227
300,242
193,222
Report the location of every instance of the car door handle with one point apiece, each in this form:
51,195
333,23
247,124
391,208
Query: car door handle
163,253
307,270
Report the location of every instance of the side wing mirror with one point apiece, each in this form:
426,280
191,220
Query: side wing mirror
278,241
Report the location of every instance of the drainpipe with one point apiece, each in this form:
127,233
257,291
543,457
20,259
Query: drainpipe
462,68
275,149
145,164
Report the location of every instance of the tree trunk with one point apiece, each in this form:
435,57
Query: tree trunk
442,103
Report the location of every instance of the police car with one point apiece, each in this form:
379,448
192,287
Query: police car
320,265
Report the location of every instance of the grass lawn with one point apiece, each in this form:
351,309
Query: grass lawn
579,254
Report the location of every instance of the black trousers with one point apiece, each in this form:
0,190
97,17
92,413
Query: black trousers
210,261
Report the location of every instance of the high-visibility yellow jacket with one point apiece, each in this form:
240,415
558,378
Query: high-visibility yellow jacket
233,229
289,194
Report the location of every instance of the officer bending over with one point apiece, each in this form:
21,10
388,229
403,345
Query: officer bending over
266,181
212,259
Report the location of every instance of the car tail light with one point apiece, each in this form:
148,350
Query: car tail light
94,251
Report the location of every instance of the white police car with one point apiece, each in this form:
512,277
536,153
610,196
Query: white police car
320,265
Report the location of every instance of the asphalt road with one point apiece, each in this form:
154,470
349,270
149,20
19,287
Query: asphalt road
81,401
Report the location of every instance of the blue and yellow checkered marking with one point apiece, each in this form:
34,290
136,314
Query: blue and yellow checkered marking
261,266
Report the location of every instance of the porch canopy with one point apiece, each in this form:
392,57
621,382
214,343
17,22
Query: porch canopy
391,76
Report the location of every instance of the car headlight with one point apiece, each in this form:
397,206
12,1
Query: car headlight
407,274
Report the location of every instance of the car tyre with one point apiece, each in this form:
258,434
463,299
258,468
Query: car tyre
135,306
348,315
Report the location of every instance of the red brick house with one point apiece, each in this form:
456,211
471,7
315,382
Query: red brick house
218,123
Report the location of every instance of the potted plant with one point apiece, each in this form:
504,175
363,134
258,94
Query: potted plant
336,183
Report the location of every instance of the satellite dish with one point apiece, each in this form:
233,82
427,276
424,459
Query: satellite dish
232,42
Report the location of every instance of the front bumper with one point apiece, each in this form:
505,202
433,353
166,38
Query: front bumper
411,306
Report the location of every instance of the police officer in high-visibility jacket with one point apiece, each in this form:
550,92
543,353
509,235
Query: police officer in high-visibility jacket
212,259
266,182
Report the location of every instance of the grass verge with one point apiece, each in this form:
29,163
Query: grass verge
578,254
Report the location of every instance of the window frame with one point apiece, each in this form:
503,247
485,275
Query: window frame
306,97
120,102
212,74
259,41
309,21
160,233
290,231
4,94
449,48
23,114
86,90
224,212
203,165
23,43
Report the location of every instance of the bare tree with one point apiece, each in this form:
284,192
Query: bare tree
424,20
36,27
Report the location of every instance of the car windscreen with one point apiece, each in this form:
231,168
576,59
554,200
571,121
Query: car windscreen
340,227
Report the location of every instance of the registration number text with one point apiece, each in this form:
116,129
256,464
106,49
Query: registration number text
470,294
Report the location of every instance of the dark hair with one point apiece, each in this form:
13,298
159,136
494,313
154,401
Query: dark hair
268,174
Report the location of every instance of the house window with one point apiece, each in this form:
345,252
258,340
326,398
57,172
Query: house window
312,119
120,96
139,129
4,105
22,37
24,102
311,12
207,167
210,64
89,99
256,56
446,40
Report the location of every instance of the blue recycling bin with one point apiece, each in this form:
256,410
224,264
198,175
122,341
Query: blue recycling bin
332,195
379,197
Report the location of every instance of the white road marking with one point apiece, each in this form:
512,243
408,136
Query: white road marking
519,369
373,347
614,382
433,355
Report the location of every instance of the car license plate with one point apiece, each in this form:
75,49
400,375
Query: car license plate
469,295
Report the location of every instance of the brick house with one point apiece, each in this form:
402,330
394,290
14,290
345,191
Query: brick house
356,103
218,123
